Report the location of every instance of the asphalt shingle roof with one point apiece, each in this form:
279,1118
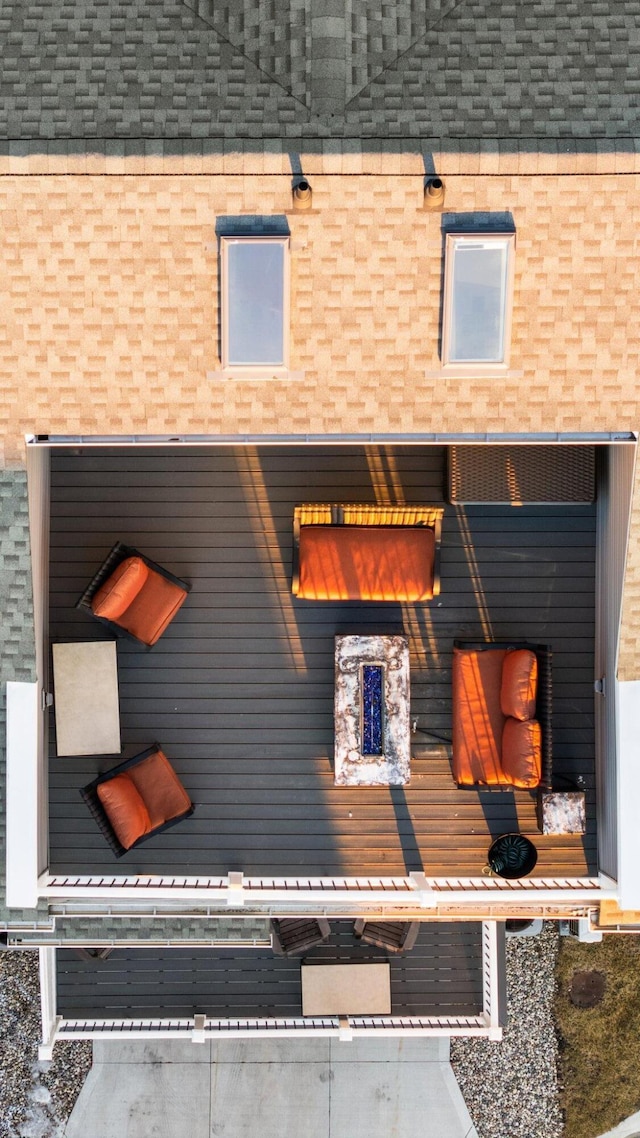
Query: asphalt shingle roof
193,69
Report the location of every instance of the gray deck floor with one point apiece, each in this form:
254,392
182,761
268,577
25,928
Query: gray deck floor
442,975
239,690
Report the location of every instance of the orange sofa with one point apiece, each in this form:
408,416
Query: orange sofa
502,715
363,553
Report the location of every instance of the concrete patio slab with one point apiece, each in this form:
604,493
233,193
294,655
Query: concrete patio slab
143,1100
423,1050
271,1051
270,1098
404,1098
158,1051
229,1088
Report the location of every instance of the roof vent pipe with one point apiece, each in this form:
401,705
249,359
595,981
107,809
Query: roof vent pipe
302,195
434,194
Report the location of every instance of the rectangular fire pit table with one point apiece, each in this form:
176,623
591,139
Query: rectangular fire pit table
371,711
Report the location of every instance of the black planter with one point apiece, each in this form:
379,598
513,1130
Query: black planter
512,856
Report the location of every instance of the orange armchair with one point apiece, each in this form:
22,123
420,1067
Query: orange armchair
133,595
135,800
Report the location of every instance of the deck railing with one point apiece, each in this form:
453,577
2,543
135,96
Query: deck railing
415,893
201,1028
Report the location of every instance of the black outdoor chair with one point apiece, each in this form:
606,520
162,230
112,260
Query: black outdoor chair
289,938
394,936
133,596
137,799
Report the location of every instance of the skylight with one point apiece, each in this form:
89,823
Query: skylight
255,302
478,288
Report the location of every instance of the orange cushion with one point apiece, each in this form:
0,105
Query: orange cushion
164,795
120,588
519,684
366,563
152,609
522,752
477,718
124,808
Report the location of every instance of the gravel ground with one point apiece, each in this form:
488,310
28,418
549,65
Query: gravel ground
35,1098
511,1088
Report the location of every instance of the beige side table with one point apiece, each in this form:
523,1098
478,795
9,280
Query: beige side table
85,678
346,989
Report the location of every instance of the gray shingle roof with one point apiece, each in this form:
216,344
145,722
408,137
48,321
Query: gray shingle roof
97,930
135,69
17,658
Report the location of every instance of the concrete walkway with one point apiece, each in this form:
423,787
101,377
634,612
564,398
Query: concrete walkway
630,1128
401,1088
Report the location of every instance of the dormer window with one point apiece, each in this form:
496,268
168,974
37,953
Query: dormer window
255,305
478,296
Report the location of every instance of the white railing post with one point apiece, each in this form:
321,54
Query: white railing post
426,895
491,979
235,898
50,1020
198,1033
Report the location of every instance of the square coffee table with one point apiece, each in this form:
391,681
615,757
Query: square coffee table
85,678
372,728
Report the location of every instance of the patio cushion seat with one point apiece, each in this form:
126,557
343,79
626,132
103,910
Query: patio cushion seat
478,721
158,784
124,808
522,752
366,563
153,608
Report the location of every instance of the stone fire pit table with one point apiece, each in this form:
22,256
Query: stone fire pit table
371,711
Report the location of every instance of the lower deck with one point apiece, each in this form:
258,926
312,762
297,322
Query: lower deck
239,690
440,976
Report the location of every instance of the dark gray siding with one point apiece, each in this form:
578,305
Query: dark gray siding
239,690
442,975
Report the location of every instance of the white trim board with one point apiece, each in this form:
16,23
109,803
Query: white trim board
23,714
627,696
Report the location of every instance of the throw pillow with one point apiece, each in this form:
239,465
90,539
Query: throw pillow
114,597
